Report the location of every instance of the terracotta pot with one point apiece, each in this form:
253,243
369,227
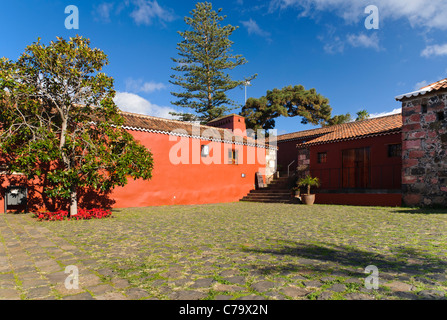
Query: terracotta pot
308,199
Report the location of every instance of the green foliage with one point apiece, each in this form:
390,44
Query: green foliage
339,119
289,101
61,124
204,58
362,115
309,182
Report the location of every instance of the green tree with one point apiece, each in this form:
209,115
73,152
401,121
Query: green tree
339,119
205,57
289,101
362,115
57,112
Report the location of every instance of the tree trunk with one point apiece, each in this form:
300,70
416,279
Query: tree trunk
73,191
308,189
73,202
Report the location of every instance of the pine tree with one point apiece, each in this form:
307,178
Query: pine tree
290,101
205,57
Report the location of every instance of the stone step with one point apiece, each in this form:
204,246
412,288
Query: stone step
268,197
271,194
270,191
290,201
278,191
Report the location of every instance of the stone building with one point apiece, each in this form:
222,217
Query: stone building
424,144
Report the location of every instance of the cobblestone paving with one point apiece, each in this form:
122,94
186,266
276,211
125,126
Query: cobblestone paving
243,251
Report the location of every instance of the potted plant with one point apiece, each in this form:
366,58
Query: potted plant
308,182
295,191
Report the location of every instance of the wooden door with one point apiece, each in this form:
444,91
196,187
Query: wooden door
356,168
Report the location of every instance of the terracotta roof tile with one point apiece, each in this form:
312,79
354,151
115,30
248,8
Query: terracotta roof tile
138,122
305,134
359,129
436,86
441,84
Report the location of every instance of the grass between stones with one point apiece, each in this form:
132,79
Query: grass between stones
164,250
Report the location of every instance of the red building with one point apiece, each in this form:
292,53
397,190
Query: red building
358,163
193,164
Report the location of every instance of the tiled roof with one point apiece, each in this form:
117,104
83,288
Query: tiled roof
359,129
300,135
139,122
439,85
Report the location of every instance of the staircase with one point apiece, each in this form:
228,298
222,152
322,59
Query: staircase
278,191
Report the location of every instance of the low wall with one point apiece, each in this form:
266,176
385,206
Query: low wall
360,199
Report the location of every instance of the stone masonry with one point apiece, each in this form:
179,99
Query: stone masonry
303,168
424,145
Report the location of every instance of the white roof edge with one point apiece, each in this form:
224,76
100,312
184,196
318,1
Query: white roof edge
414,93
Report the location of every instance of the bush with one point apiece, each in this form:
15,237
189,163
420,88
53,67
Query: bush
83,214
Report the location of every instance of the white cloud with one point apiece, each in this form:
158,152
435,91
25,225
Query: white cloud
364,41
386,113
421,84
419,13
146,11
335,44
133,103
140,86
102,11
435,50
253,28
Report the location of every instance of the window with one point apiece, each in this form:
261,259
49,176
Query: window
322,157
424,108
232,156
394,150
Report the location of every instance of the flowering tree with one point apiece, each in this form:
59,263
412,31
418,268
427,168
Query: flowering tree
57,112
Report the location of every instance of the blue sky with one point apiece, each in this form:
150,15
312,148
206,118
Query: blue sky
321,44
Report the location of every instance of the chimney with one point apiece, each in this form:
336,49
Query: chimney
233,122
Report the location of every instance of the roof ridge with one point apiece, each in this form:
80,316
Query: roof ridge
434,83
145,116
335,126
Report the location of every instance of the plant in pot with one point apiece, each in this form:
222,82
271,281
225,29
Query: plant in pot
308,182
295,191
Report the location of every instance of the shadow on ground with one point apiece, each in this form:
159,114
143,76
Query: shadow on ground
324,257
420,210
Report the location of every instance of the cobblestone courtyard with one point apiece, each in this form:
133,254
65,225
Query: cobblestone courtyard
228,251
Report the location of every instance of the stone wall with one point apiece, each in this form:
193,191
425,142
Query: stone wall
303,168
424,146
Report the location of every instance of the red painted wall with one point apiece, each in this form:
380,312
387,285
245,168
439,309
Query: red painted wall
193,182
360,199
287,152
174,184
234,122
385,173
